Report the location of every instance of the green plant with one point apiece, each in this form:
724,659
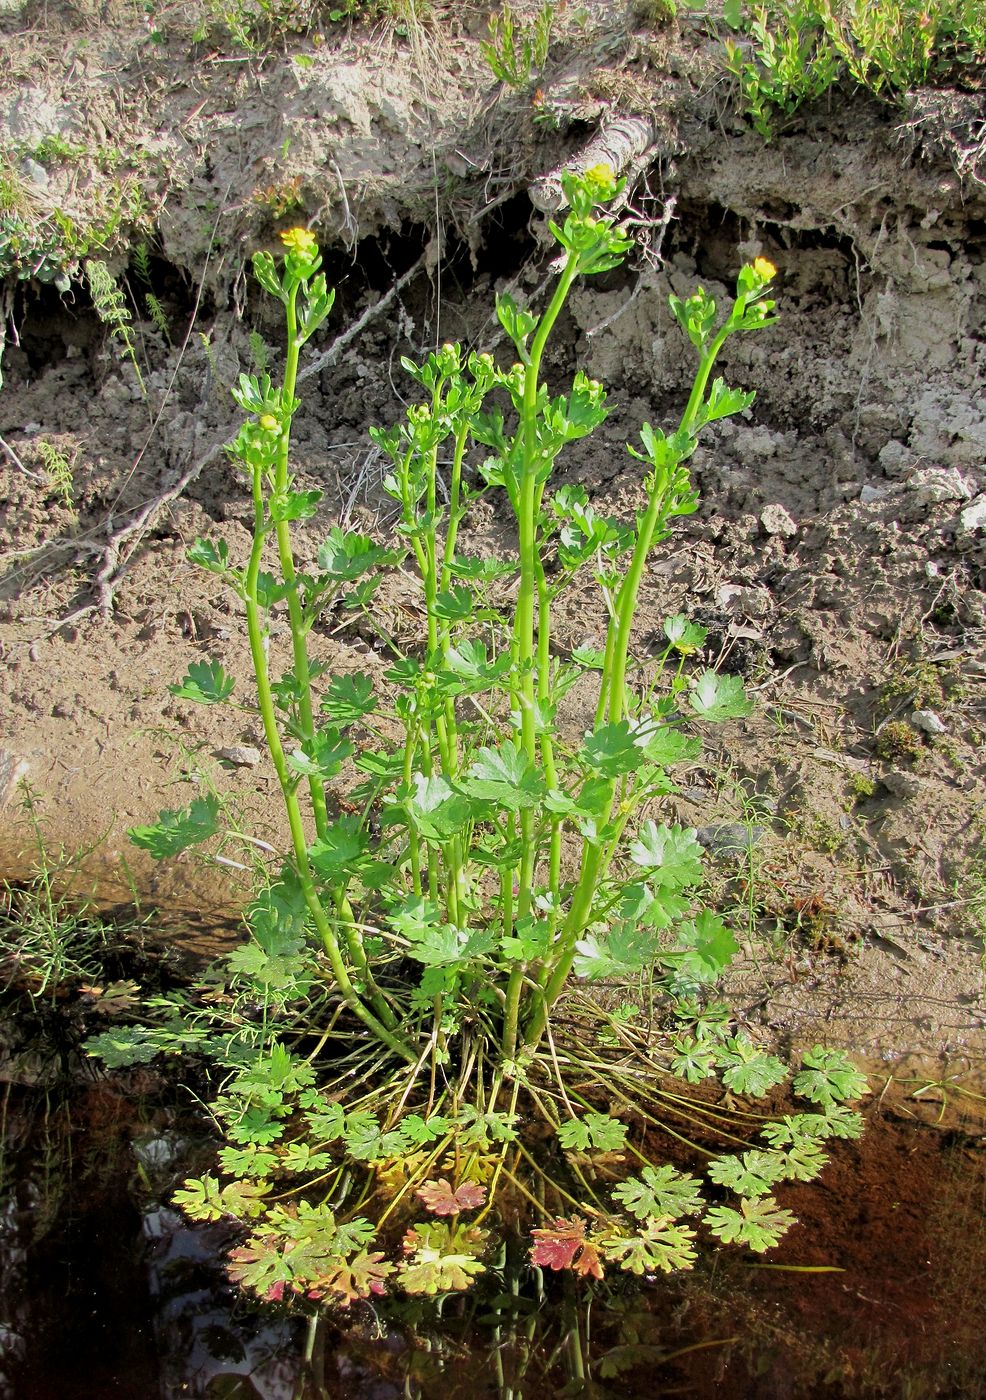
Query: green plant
59,470
898,742
281,197
50,942
416,969
111,308
800,48
155,310
861,787
516,51
655,11
791,61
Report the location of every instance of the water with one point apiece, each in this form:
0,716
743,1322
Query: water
105,1291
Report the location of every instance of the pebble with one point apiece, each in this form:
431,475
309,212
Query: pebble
974,516
928,722
730,838
240,755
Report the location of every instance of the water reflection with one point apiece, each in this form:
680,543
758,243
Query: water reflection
106,1291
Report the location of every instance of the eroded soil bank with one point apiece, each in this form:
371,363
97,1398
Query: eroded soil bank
838,556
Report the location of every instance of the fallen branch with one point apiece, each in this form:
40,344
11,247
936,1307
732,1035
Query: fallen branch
627,145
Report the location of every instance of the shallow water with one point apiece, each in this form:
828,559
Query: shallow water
107,1292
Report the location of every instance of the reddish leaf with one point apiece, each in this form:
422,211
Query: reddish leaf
557,1247
355,1278
440,1199
588,1261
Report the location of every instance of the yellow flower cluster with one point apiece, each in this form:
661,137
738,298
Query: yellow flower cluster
299,240
764,269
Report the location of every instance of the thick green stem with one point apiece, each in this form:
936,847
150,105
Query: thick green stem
594,861
528,502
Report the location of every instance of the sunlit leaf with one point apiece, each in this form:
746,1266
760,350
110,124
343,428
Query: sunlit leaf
206,683
752,1174
716,697
175,831
505,777
555,1246
747,1069
759,1223
595,1130
321,756
363,1276
441,1258
829,1077
348,698
660,1191
659,1246
670,854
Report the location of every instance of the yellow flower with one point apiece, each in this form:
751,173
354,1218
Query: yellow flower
299,240
601,174
764,269
269,423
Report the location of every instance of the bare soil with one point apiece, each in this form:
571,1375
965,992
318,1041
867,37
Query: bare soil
838,558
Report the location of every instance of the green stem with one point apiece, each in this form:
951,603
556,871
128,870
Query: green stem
299,645
528,498
323,926
594,861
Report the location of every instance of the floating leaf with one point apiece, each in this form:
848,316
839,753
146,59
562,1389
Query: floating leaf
439,1197
758,1223
660,1246
556,1246
747,1069
660,1192
441,1258
693,1061
363,1276
596,1130
828,1077
422,1131
752,1174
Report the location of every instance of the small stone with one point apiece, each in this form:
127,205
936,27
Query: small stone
776,521
928,722
34,172
730,838
974,516
239,755
12,770
868,494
